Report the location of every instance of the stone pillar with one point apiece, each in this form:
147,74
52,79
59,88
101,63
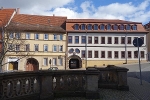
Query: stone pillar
92,91
122,79
46,85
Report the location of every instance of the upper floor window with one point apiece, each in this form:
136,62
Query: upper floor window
69,39
83,39
116,40
45,36
129,54
54,48
17,35
90,54
109,40
121,27
129,40
115,54
77,50
71,50
11,47
102,40
122,54
36,36
82,26
102,54
108,27
90,40
95,40
134,27
135,54
142,54
96,54
11,35
54,61
76,39
55,37
27,35
102,27
45,61
109,54
115,27
36,47
60,61
76,27
45,47
61,37
122,40
27,47
89,27
17,47
128,27
61,48
83,53
95,27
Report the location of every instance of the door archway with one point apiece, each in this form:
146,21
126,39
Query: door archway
32,64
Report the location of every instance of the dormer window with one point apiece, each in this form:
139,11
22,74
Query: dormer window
95,27
115,27
134,27
102,27
121,27
76,27
128,27
89,27
82,26
108,27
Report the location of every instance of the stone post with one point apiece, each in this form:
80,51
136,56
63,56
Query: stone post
92,91
46,85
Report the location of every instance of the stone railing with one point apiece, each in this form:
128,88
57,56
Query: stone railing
44,85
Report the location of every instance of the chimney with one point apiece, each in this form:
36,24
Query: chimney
17,11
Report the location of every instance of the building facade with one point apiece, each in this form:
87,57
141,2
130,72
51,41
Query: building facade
95,42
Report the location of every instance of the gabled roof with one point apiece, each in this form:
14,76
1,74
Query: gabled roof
5,15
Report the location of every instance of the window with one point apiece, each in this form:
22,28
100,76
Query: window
108,27
134,27
77,39
142,39
45,36
55,37
61,48
116,40
11,35
109,40
45,61
60,61
142,54
102,27
90,40
70,39
17,35
45,47
71,50
27,35
83,39
95,40
36,47
121,27
128,27
54,48
122,54
122,40
129,54
102,54
54,61
11,47
115,27
36,36
89,27
76,27
89,54
95,27
102,40
115,54
82,26
61,37
77,50
109,54
27,47
17,47
135,54
129,40
83,53
96,54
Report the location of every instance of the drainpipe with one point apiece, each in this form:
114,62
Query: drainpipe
86,50
126,48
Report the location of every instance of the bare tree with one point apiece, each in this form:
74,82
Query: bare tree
13,43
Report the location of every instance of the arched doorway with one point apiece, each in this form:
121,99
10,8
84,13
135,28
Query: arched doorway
74,62
32,64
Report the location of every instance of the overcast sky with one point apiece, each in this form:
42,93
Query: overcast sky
132,10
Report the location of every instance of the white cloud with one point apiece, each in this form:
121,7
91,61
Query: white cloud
125,11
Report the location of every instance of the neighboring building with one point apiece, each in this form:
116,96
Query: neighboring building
106,42
45,40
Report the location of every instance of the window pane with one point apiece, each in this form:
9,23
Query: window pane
96,54
70,39
36,47
76,39
102,54
45,36
54,61
61,37
89,54
27,35
90,40
45,47
36,36
83,39
83,27
95,27
45,61
83,54
76,27
89,27
54,48
60,61
61,48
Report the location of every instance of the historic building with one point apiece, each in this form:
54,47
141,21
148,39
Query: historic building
43,39
100,42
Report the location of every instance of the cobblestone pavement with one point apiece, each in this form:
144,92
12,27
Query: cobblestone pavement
136,92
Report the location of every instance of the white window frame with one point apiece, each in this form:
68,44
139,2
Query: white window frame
54,62
36,36
61,37
45,35
55,36
35,47
45,45
45,61
60,61
27,35
54,48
